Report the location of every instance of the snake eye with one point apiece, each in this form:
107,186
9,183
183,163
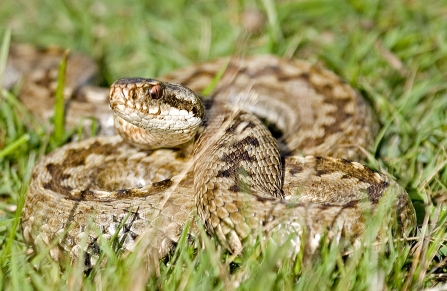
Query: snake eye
155,92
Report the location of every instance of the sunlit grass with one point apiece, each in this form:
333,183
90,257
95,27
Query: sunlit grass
393,52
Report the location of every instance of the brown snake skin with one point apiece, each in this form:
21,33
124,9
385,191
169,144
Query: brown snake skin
236,176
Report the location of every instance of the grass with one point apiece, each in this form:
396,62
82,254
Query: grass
394,52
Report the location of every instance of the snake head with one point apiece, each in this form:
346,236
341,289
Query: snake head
167,114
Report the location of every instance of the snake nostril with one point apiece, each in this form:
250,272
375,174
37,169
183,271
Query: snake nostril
155,92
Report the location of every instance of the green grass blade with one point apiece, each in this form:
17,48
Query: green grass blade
59,106
4,53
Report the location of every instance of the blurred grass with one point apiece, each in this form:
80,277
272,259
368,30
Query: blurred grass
394,52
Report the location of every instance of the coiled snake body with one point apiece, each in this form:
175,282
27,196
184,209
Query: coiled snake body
237,177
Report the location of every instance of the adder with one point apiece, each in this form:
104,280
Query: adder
177,156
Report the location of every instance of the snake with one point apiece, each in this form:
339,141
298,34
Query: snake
272,150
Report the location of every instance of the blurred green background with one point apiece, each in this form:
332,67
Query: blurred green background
393,52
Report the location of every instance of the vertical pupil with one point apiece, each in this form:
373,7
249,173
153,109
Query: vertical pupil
155,91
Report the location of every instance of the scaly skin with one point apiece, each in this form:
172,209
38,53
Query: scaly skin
236,176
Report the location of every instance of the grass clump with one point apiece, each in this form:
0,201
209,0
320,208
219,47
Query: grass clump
393,52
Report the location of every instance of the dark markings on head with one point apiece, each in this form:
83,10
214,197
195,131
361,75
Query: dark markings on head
182,104
135,81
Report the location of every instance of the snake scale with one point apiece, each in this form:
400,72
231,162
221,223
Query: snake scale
232,173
